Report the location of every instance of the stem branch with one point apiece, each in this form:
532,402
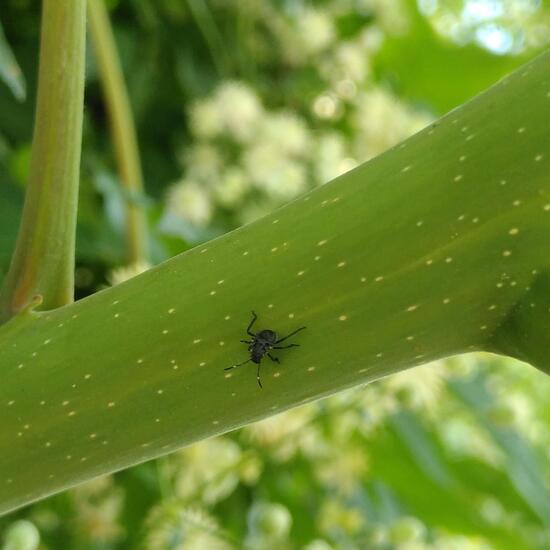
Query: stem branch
43,261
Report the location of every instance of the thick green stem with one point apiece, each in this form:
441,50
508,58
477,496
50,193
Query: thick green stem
422,253
122,128
43,261
525,333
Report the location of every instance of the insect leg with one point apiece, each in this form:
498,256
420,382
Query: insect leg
246,341
274,359
233,366
289,346
254,317
289,335
258,376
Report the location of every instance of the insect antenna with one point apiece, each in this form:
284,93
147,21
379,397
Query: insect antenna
233,366
289,335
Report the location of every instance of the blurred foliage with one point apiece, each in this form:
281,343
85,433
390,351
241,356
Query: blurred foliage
240,106
10,72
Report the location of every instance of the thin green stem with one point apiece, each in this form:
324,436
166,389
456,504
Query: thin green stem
43,261
207,24
122,128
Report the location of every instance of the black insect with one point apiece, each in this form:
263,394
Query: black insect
262,342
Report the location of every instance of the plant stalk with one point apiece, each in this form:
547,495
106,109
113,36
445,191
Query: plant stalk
43,261
122,129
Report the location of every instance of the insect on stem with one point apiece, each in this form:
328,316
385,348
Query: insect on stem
261,344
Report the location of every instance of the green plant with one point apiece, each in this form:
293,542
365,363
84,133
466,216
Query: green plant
432,249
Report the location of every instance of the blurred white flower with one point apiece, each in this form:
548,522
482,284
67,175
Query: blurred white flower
268,520
516,412
349,60
208,470
21,535
346,89
391,15
352,60
174,526
203,162
372,39
382,120
286,131
231,187
254,211
327,107
419,388
98,505
274,172
318,544
120,274
283,434
344,469
250,468
407,530
93,488
191,202
375,403
334,516
240,110
315,30
205,119
331,157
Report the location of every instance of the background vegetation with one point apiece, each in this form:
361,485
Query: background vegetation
449,455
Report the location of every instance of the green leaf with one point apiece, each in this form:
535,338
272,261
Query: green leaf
10,72
525,468
422,449
427,67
